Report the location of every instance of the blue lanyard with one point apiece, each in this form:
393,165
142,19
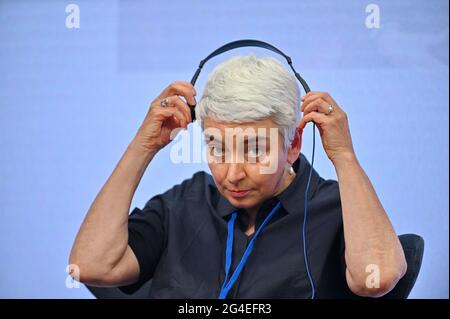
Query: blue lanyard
229,252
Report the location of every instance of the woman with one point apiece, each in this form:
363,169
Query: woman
194,239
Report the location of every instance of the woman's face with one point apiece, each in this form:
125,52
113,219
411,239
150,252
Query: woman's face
248,160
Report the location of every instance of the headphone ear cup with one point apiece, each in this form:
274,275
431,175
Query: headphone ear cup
192,108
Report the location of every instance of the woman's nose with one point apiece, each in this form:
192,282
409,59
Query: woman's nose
235,172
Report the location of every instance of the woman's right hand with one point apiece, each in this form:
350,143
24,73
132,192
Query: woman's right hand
160,121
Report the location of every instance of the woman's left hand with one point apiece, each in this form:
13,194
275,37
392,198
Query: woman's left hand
333,126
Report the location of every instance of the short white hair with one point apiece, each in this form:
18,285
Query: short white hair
251,88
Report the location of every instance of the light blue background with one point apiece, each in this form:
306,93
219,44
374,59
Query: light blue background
72,99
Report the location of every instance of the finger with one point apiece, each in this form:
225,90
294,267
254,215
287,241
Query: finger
307,100
168,112
313,95
183,107
187,85
318,105
180,88
190,87
315,117
308,95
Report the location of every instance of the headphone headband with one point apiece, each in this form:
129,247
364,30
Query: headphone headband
239,44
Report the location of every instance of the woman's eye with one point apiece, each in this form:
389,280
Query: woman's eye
253,152
215,151
257,152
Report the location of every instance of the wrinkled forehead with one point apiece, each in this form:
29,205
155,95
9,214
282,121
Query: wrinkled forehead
254,131
238,134
258,130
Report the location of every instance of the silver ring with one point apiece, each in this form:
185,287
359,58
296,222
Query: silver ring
330,109
164,102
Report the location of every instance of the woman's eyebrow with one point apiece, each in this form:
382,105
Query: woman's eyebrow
212,138
257,138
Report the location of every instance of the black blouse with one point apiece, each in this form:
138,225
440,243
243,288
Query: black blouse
179,239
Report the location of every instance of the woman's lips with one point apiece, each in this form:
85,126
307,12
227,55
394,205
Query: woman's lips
239,194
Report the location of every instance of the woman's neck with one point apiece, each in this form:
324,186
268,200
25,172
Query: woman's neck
253,212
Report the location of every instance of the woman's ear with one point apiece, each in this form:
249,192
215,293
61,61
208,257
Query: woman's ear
296,145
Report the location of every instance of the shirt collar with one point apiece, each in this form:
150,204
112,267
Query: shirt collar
291,198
